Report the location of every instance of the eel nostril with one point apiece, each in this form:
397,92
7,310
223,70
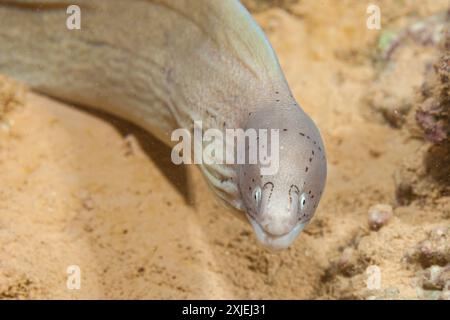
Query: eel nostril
268,190
294,193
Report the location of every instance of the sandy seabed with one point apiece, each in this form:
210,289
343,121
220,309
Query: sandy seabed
79,188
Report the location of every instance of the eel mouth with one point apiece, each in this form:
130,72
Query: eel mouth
275,242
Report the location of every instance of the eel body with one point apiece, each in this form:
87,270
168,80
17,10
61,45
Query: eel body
164,64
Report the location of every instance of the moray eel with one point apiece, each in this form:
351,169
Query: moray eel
164,64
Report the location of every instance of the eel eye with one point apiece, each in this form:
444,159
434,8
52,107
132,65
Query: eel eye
257,195
302,201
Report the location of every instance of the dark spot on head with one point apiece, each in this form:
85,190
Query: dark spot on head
309,192
249,188
276,92
308,137
306,169
310,159
284,129
253,180
302,134
312,152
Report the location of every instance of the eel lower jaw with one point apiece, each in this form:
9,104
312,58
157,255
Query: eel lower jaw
275,242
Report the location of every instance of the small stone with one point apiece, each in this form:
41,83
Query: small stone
347,262
88,204
434,250
379,216
86,200
433,278
130,145
346,257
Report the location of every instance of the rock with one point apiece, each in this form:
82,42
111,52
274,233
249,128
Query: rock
434,250
346,262
379,216
350,263
436,277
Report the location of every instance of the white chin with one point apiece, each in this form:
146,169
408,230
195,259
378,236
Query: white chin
275,242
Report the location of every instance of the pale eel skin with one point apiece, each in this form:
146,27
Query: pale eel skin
163,64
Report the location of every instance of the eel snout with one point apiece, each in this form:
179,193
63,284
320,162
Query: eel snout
276,217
